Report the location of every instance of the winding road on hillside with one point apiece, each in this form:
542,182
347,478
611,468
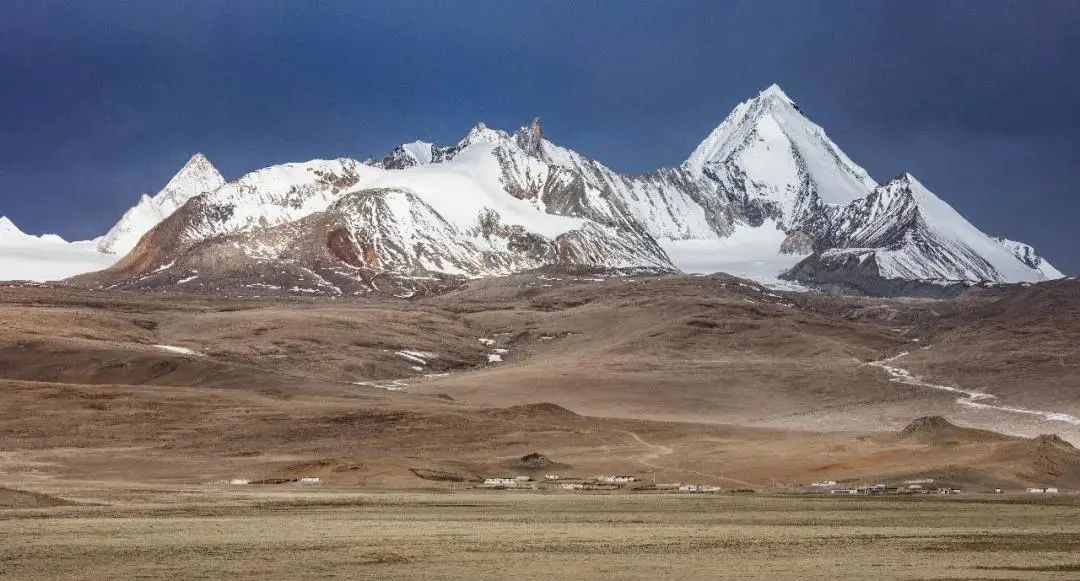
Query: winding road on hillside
975,399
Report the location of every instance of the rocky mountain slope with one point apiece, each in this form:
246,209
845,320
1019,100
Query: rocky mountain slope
903,231
766,192
1030,257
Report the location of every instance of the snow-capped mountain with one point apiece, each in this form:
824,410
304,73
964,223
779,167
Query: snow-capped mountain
768,150
50,257
904,231
478,208
765,190
196,177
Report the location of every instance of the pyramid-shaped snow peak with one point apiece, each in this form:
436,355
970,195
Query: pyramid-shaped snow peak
198,176
766,149
8,227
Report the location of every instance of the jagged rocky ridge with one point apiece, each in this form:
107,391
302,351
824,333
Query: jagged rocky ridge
903,232
767,186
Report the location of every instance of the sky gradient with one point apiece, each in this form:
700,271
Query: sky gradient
102,101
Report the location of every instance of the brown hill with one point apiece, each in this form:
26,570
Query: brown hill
12,498
1044,459
690,378
938,431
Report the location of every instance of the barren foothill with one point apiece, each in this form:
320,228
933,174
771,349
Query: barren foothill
156,434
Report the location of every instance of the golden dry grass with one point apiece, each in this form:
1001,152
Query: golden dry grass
204,534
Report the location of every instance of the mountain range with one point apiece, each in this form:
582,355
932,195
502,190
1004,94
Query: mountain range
767,195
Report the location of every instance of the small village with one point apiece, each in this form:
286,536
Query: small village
630,483
603,482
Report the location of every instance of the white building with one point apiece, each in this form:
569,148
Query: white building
551,477
824,483
501,481
310,480
239,481
1043,490
698,488
616,479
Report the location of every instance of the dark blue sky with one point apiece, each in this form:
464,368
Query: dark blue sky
101,101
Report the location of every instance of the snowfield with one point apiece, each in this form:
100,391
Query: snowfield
45,258
752,253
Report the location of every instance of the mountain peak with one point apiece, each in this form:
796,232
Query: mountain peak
481,133
768,149
776,92
531,137
198,167
198,176
908,180
8,227
914,234
198,158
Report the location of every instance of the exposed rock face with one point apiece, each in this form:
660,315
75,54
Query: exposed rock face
855,275
1030,257
530,139
408,155
798,242
535,461
902,232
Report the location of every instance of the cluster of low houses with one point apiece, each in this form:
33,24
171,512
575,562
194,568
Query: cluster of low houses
881,489
308,480
920,486
600,482
615,481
